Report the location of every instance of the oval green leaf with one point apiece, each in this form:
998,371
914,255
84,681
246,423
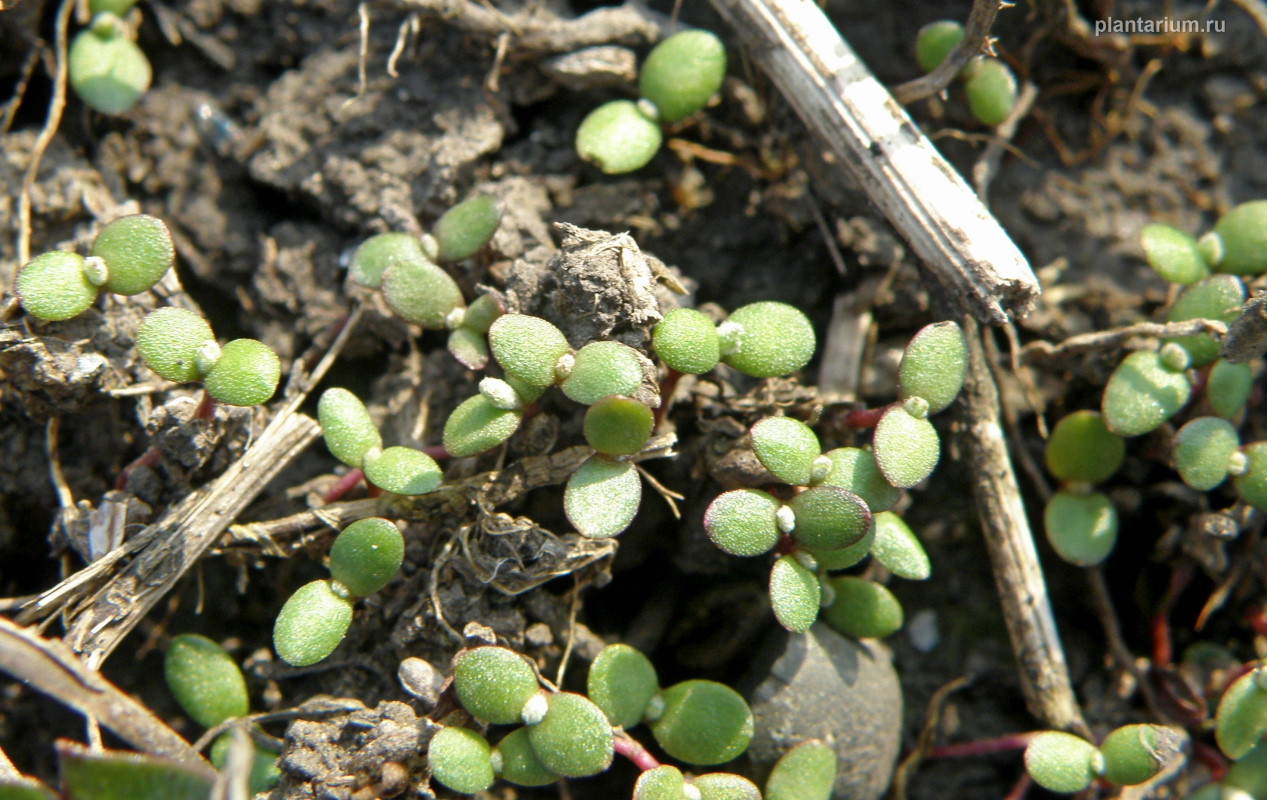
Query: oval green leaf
404,470
168,342
1061,762
205,680
1081,448
464,229
898,548
514,760
1218,297
246,374
1252,485
1082,528
767,339
787,448
935,41
618,426
991,90
602,497
311,624
806,772
1243,231
1202,449
1241,719
861,608
743,522
703,723
493,684
660,783
617,137
347,427
795,594
906,448
138,251
367,555
53,286
934,364
829,518
1135,753
686,340
682,72
855,469
116,775
376,254
622,682
106,68
725,786
1228,388
421,293
574,739
1142,394
477,426
528,348
602,369
461,760
1173,254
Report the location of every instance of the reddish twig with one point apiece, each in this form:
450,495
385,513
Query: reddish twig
1159,625
981,747
633,750
342,486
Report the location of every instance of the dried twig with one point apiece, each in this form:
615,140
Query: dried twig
976,36
1037,352
540,31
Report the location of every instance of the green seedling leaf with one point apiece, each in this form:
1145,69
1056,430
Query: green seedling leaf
1202,449
205,680
725,786
703,723
264,770
574,739
53,286
137,250
477,426
1243,233
1062,762
845,557
367,555
1082,528
1135,753
661,783
795,594
116,7
469,347
618,137
464,229
743,522
602,369
906,448
168,342
347,427
421,293
482,313
376,254
514,760
528,348
403,470
898,548
622,682
934,364
1081,448
618,426
106,68
806,772
493,684
1142,393
311,624
115,775
682,72
25,789
602,497
686,340
829,518
855,469
767,339
1218,297
1241,719
787,448
1247,774
991,90
1228,388
460,759
246,374
1173,254
862,609
1251,485
935,41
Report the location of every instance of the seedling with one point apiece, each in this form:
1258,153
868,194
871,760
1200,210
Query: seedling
1131,755
988,83
352,437
105,67
179,346
678,78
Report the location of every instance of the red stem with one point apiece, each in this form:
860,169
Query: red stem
206,407
631,749
1021,788
865,417
343,485
1211,758
1159,625
671,377
981,747
149,458
436,451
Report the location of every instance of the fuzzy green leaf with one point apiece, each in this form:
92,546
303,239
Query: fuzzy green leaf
806,772
767,339
1142,393
1081,448
528,348
514,760
934,364
116,775
477,426
795,594
686,340
855,469
622,682
682,72
1173,254
367,555
106,68
1228,388
829,518
464,229
602,369
1135,753
25,789
460,759
347,427
205,680
617,137
660,783
787,448
421,293
845,557
935,41
1247,774
991,90
742,522
168,342
246,374
861,608
53,286
1202,449
906,448
482,313
725,786
618,426
574,739
1252,485
703,723
493,684
602,497
404,470
1218,297
311,624
374,255
898,548
138,251
1241,719
1243,232
1082,528
469,347
1061,762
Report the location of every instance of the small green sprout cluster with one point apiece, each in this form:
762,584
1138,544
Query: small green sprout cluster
1152,387
180,346
837,506
105,67
1064,763
567,735
406,269
679,76
353,438
363,559
210,688
987,82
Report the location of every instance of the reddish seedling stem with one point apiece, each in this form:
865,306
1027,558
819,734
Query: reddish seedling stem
149,458
981,747
1021,788
631,749
1163,649
436,451
1211,758
343,485
667,386
206,407
865,417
